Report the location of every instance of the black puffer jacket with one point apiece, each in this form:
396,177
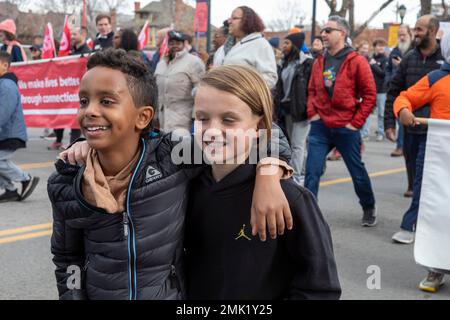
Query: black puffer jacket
299,90
131,255
412,68
379,72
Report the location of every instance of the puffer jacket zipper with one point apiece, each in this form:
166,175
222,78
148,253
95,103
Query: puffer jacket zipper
128,225
131,235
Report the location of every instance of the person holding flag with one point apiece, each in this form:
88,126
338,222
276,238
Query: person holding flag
433,90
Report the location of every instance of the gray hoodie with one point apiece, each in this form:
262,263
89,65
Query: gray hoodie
445,46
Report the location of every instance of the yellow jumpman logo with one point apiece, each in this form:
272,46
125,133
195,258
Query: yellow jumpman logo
242,234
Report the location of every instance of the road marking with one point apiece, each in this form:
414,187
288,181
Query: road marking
372,175
25,236
15,231
38,165
48,226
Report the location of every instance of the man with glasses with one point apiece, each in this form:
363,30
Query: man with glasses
341,95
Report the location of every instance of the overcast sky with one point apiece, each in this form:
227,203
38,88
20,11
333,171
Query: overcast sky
269,9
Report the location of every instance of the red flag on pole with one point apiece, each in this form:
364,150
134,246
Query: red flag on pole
64,46
143,36
164,50
48,49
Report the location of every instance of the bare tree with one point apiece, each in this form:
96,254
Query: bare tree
361,28
291,13
445,8
348,7
425,7
342,12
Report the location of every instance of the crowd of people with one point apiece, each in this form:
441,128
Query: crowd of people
321,98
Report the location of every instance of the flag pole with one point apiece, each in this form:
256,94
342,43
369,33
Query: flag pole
208,33
83,15
423,121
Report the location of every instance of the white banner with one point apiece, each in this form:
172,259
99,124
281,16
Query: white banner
432,244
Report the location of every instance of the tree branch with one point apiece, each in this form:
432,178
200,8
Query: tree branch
365,24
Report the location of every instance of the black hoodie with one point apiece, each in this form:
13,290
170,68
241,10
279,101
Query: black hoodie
225,262
331,67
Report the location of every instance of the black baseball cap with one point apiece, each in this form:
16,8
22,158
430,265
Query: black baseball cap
36,47
176,35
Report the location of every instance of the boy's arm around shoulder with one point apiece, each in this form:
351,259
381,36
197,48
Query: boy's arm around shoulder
311,249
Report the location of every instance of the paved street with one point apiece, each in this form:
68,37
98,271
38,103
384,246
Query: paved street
26,269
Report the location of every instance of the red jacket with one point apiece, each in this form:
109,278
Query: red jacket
354,96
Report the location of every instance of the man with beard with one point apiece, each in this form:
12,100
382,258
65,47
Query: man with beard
426,57
404,45
176,76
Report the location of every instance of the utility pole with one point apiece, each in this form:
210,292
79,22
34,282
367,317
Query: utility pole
313,25
208,32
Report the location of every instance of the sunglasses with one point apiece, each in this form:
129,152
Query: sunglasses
329,30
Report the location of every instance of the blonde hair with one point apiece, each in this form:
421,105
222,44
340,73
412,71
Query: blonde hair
246,84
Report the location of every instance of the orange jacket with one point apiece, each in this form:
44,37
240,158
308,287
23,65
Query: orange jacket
433,89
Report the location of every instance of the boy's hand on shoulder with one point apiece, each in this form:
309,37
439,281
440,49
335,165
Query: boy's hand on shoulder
76,154
270,208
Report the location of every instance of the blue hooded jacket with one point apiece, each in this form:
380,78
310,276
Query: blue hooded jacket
12,122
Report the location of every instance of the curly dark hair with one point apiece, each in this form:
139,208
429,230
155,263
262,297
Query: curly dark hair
251,22
141,83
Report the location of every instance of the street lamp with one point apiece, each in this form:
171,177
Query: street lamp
402,12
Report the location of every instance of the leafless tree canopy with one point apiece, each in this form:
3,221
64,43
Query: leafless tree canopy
425,7
348,7
291,13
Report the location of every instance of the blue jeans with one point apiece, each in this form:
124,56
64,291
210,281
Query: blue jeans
365,130
348,143
9,172
410,217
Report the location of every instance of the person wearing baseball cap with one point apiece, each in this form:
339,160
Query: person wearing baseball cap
177,75
36,52
10,43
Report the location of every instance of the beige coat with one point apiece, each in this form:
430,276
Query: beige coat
176,82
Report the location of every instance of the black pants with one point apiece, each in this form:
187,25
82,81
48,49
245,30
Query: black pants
410,152
74,135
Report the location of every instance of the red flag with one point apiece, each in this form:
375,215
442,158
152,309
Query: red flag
164,46
90,43
48,49
143,36
64,46
201,16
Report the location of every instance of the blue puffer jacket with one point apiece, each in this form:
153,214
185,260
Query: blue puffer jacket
12,123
